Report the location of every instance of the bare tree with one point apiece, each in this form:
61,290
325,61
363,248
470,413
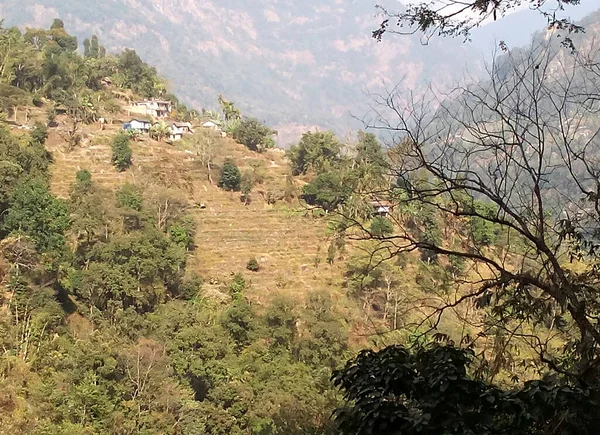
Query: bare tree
205,150
525,143
460,17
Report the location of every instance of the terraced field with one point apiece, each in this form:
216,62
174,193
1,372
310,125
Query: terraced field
289,245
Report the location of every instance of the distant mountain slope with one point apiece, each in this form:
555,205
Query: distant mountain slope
294,64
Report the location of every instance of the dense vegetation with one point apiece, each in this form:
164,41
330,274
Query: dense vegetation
473,253
104,329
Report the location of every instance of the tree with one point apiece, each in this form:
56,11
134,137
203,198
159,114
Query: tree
230,112
36,213
381,227
159,131
94,47
315,152
205,150
459,18
86,48
429,391
57,23
12,98
230,176
254,135
505,143
328,191
121,152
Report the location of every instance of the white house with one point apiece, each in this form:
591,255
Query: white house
178,129
212,125
137,124
154,108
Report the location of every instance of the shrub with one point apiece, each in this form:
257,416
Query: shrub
247,182
230,176
252,265
237,286
130,196
381,227
40,133
121,152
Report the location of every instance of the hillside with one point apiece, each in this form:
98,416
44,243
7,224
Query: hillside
295,65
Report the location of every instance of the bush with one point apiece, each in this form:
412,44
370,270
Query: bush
130,196
40,133
237,286
231,177
381,227
247,182
121,152
252,265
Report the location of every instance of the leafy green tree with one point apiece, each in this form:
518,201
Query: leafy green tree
230,112
35,212
140,270
13,98
430,391
431,233
130,196
381,227
328,190
483,230
254,135
230,176
240,322
57,23
182,232
159,131
121,152
237,286
317,152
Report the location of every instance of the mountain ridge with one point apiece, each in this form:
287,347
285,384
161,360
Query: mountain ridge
296,66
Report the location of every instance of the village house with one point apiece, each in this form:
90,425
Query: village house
178,129
381,207
137,124
211,125
154,108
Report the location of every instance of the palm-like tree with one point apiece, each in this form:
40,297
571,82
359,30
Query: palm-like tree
159,131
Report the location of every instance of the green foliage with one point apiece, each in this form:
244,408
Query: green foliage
19,162
328,190
130,196
134,74
483,230
253,134
240,322
139,270
230,176
182,232
381,227
121,152
429,391
237,286
247,183
431,233
252,265
35,212
316,152
39,133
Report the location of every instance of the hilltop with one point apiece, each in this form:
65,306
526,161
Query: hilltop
295,65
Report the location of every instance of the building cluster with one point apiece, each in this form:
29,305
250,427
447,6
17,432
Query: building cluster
160,109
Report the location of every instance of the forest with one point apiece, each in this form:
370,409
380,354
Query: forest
467,245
